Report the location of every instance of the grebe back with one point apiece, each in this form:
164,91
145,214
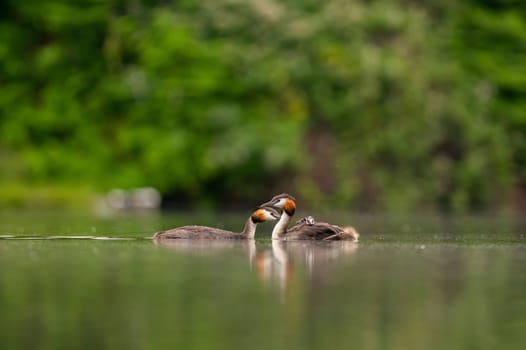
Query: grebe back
261,214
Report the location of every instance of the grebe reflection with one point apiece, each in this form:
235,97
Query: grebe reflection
276,263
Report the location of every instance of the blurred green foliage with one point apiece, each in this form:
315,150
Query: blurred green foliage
383,105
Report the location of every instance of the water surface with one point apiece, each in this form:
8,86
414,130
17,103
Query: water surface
421,283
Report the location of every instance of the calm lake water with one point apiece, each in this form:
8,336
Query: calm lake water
410,283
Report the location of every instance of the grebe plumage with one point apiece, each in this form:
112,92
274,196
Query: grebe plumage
261,214
306,228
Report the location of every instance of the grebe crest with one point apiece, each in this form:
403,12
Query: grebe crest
284,202
264,213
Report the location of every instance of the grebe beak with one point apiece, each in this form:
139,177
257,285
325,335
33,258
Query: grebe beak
275,214
272,212
271,203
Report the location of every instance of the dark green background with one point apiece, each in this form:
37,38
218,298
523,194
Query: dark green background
375,105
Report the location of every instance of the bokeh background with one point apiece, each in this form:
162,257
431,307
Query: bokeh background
387,105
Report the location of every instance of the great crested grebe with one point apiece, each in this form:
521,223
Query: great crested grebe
306,228
261,214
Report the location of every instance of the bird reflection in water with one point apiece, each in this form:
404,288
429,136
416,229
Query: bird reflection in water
278,265
277,262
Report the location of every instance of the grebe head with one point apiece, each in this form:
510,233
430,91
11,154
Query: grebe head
265,213
284,202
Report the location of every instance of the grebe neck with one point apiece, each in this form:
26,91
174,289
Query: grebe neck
250,229
281,227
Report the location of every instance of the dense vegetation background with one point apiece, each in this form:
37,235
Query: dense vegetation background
377,105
